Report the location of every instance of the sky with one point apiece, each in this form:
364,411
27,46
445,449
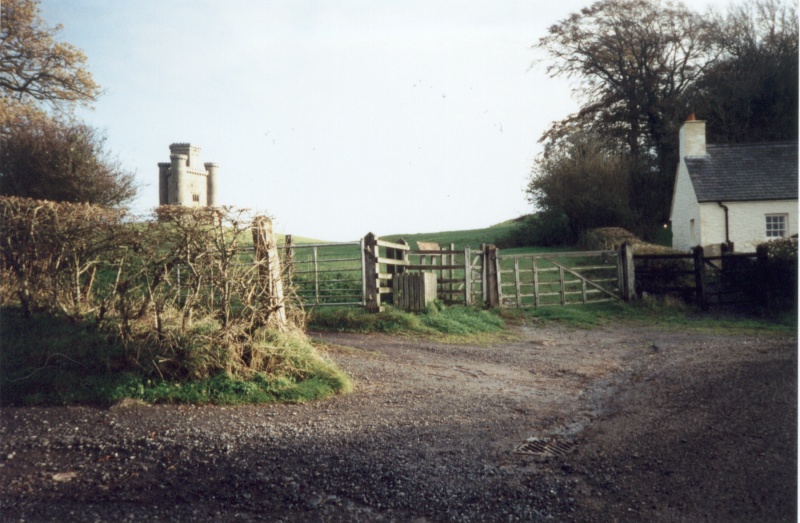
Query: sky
336,118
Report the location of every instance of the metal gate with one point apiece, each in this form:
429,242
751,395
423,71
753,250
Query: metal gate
325,274
564,278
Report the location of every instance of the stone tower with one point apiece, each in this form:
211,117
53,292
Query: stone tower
185,181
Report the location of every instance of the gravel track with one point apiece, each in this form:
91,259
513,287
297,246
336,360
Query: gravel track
656,426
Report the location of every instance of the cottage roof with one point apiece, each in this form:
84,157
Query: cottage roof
742,172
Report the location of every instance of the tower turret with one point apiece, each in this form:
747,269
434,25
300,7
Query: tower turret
211,183
163,183
179,183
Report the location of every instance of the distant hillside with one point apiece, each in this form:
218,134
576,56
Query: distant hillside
474,237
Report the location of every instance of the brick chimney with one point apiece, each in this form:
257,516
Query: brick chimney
692,137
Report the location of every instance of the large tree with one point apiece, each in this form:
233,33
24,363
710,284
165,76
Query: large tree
751,93
34,64
632,62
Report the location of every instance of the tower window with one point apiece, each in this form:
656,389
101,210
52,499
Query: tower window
195,197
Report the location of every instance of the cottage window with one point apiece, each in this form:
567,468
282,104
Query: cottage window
776,226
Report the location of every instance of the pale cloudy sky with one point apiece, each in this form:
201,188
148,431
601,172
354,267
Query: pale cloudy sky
336,117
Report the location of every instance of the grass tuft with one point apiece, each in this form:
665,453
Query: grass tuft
435,320
53,361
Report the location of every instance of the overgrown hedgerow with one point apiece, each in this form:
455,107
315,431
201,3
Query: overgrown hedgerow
162,309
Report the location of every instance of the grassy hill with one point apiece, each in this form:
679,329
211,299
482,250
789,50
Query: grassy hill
472,237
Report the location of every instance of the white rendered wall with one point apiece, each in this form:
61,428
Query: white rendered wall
747,222
684,209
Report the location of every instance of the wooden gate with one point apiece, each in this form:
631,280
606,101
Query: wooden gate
461,274
565,278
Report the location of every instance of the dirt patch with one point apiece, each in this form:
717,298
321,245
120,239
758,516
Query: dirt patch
646,425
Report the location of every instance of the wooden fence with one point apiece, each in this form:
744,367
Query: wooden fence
362,274
728,279
461,274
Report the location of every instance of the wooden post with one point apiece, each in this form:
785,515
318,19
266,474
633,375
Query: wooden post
700,277
628,272
402,254
363,275
492,287
517,283
484,265
452,272
269,270
372,293
763,280
535,283
467,276
288,259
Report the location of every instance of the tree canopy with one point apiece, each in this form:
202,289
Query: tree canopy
585,180
61,160
45,152
750,94
639,68
632,60
34,64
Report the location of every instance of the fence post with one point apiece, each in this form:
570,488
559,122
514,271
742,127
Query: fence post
372,293
699,276
628,272
467,276
492,288
484,265
763,280
269,269
288,258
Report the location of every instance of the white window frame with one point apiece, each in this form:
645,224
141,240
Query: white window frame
776,225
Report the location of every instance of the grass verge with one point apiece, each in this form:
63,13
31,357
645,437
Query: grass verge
435,320
53,361
659,314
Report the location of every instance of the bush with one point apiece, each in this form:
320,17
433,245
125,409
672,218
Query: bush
173,297
544,229
778,281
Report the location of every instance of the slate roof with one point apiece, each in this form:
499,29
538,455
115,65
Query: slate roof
743,172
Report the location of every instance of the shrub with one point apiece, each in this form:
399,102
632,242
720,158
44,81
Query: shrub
174,295
544,229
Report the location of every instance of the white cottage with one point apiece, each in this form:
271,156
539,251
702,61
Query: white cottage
739,194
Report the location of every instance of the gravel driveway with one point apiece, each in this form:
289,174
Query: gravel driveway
622,423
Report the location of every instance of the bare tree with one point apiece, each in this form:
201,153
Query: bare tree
34,65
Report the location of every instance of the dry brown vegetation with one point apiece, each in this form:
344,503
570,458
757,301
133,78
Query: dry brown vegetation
175,289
